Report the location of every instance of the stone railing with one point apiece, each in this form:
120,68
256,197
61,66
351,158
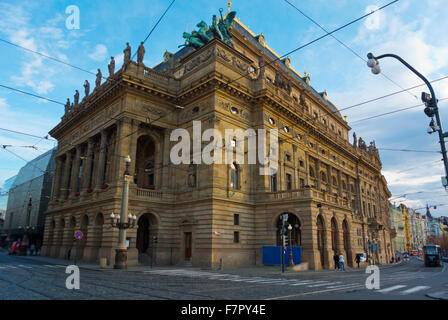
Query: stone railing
147,193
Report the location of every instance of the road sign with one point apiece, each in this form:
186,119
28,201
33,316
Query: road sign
78,234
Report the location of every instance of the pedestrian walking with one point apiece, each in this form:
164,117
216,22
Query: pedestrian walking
336,261
341,262
32,248
358,259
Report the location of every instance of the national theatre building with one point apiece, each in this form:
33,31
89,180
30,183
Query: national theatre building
225,77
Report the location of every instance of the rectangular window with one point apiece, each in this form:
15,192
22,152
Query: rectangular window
236,237
288,182
236,219
301,163
287,157
302,183
274,183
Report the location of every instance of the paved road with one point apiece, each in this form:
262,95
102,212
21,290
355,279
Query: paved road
22,278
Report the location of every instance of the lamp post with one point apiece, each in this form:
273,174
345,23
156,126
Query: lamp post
291,262
121,221
429,100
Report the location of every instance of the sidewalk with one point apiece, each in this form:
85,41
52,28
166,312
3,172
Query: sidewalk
255,271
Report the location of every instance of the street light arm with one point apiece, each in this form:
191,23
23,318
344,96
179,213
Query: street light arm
433,100
390,55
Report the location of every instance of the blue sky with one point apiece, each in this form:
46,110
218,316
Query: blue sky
415,30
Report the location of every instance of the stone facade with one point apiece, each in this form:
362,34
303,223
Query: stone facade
214,214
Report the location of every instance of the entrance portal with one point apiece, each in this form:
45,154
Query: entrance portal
147,228
188,246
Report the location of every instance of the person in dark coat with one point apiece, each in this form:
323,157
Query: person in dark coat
336,261
358,259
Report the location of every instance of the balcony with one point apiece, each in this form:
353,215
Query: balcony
146,194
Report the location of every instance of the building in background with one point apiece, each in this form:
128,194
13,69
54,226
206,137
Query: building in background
397,222
425,229
407,228
416,229
28,199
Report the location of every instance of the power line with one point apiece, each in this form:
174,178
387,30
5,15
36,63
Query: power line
150,32
344,45
391,112
390,94
408,150
28,134
313,41
31,94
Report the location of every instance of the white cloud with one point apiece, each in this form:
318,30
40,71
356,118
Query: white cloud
100,53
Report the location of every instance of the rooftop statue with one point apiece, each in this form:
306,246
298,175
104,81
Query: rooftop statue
76,98
140,53
86,88
111,67
127,54
219,29
99,75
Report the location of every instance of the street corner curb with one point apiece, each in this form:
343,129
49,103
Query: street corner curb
441,295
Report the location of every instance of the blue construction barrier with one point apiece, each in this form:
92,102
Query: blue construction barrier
272,255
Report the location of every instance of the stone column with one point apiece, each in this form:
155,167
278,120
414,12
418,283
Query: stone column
126,145
318,174
65,177
330,179
75,171
339,183
57,179
87,167
101,160
166,160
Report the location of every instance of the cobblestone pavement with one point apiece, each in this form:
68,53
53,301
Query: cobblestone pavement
42,278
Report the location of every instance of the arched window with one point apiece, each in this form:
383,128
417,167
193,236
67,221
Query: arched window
312,175
334,235
323,177
346,235
149,176
321,238
335,181
234,176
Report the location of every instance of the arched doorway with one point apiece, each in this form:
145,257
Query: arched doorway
146,230
98,234
321,239
334,236
296,234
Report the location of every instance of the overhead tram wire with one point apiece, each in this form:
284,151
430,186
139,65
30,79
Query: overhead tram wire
157,23
31,94
46,56
344,45
392,112
28,134
313,41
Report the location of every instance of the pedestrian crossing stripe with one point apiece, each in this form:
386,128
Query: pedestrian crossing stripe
415,289
391,288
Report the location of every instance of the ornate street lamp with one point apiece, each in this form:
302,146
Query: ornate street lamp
121,222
